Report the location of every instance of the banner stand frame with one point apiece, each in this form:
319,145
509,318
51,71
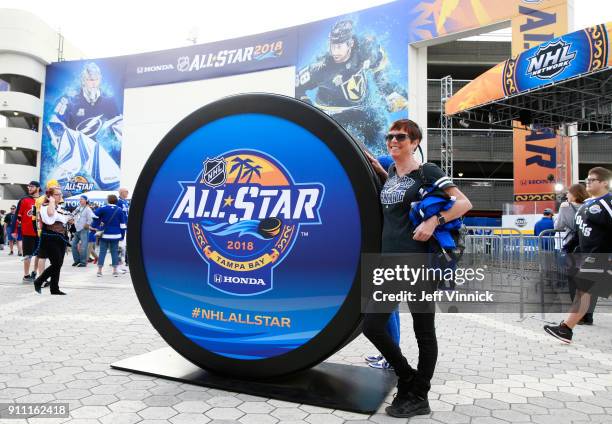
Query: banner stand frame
327,385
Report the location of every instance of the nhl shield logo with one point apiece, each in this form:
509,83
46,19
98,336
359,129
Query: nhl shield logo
183,63
214,172
550,60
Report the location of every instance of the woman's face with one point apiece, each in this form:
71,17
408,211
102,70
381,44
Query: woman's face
57,195
399,144
571,198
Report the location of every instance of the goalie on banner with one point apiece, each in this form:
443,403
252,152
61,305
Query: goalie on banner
80,128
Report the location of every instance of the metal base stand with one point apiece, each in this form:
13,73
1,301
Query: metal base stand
328,385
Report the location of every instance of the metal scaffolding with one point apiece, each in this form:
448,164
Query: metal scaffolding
585,99
446,128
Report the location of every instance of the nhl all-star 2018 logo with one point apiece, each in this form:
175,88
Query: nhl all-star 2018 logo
244,212
550,60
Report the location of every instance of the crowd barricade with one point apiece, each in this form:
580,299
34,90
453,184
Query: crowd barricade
527,266
527,271
497,250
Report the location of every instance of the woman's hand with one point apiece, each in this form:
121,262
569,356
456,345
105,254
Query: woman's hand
425,229
377,166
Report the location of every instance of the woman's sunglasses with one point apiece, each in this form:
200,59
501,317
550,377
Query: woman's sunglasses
398,137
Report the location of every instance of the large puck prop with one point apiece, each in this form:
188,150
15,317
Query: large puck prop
245,234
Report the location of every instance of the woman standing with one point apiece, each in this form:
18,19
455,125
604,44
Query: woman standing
110,221
54,239
401,188
576,195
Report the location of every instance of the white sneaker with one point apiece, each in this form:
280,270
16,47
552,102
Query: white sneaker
374,358
99,273
381,365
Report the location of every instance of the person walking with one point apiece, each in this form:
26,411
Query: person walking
594,260
2,214
566,218
109,221
566,223
10,222
41,255
26,220
53,239
92,256
124,204
402,186
83,217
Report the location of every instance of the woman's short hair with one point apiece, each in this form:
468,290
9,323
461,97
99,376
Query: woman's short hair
112,199
579,192
409,127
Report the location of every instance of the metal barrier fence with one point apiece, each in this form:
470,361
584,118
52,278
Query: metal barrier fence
520,267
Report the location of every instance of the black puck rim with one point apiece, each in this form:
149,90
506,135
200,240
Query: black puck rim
347,320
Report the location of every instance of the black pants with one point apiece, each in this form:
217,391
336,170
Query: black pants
572,293
571,284
55,249
374,328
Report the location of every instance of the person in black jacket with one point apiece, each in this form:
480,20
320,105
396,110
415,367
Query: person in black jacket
401,188
594,260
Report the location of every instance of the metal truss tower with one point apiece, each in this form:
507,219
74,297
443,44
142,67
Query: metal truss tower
446,127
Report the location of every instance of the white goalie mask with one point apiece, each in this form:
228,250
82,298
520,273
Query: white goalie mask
91,77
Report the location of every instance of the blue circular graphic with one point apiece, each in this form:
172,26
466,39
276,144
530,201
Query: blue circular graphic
306,286
245,236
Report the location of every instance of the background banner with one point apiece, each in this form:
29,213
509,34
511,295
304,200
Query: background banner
229,57
82,125
354,68
535,152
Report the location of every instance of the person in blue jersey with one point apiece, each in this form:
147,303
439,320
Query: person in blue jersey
9,223
403,183
109,222
393,325
124,204
593,257
545,223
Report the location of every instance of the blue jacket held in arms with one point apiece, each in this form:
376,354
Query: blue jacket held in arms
433,202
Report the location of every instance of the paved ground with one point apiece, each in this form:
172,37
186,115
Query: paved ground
491,369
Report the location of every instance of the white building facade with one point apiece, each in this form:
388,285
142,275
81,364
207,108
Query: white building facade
27,46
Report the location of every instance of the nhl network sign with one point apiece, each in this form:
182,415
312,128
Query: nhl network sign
550,60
